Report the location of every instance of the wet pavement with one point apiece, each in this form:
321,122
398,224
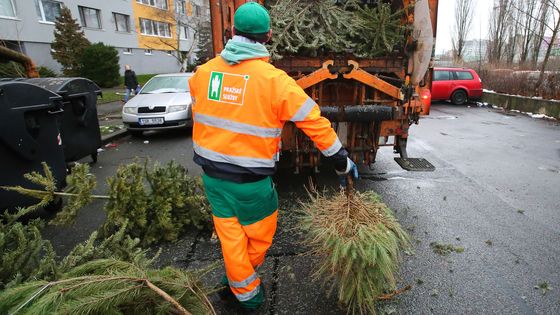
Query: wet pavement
495,192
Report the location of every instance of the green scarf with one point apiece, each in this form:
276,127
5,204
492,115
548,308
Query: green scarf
237,51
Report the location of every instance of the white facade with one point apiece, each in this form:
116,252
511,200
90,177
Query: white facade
28,26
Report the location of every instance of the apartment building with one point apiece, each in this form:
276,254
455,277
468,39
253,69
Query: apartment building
145,32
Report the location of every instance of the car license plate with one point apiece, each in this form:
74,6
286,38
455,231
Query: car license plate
151,121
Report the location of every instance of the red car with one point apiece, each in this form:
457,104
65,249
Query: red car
456,84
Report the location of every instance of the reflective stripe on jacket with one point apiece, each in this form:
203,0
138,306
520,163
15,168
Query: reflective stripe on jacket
239,111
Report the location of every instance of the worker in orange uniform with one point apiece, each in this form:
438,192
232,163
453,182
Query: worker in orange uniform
240,104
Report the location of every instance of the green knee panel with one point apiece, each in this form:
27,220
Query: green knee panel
249,202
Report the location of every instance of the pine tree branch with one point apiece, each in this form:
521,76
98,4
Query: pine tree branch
167,297
101,279
28,191
97,279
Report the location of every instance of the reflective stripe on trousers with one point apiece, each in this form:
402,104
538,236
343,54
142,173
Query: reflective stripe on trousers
244,248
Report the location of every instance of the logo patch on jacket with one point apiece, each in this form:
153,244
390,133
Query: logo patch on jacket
227,87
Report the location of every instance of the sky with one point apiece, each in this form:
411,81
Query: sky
446,22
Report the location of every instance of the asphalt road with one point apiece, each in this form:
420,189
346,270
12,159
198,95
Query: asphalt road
495,192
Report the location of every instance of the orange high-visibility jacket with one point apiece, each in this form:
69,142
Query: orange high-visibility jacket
239,111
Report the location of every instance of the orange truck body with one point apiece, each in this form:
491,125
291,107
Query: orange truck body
7,54
344,85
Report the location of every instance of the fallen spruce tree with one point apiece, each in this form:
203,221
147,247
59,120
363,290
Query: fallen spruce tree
358,240
110,272
110,286
154,203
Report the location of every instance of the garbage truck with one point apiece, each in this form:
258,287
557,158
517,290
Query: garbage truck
371,102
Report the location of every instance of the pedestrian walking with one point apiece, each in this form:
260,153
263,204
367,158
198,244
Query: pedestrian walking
130,82
240,104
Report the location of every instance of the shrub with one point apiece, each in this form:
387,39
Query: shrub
45,72
100,63
521,82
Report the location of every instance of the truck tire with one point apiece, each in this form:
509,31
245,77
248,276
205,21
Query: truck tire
459,97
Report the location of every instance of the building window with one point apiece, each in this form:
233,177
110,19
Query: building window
184,32
181,7
160,4
90,17
155,28
122,22
127,51
148,52
196,10
7,8
48,10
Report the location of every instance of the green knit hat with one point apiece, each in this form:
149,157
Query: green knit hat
251,18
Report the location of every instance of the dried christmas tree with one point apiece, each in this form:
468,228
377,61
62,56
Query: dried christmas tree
359,241
109,286
24,255
157,202
311,27
320,27
100,276
381,30
153,203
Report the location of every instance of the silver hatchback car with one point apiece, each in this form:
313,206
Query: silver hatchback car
163,103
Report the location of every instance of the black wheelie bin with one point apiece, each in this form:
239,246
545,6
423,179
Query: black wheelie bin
79,125
29,135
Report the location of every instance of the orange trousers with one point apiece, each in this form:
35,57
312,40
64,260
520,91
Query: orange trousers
244,248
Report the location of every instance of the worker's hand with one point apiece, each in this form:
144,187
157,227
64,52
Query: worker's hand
351,169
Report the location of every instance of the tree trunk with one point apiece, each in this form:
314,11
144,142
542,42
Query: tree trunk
539,37
548,51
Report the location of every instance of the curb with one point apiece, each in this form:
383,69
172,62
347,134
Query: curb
114,136
531,106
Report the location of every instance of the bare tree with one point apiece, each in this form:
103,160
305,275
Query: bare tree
463,22
514,32
500,22
542,17
188,20
526,10
530,17
548,22
554,26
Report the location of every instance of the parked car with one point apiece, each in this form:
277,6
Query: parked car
456,84
163,103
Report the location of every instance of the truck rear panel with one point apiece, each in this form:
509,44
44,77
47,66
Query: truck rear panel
371,102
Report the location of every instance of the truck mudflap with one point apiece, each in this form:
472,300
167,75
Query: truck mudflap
357,113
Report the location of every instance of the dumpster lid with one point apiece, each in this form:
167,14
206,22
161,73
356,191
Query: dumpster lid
67,87
16,99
